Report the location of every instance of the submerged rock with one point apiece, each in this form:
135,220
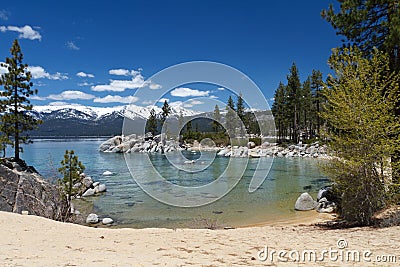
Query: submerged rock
305,202
107,173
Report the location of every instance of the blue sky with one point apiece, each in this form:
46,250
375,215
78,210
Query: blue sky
99,53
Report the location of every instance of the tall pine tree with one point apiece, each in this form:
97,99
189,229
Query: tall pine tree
230,118
16,119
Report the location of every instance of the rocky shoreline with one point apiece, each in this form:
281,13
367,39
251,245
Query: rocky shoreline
157,144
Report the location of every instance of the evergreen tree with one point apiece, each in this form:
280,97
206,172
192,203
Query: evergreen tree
15,100
369,24
306,109
166,110
151,124
241,113
180,121
189,127
71,169
230,118
293,102
279,112
359,112
316,87
216,119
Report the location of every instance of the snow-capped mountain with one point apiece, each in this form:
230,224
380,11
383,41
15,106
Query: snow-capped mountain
79,120
98,113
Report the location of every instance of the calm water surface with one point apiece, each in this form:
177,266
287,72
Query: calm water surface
130,206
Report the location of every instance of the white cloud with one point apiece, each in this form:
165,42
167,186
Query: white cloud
70,95
85,84
84,75
116,99
35,97
38,73
213,97
137,81
186,92
3,69
120,72
196,102
221,89
4,14
147,102
25,32
60,103
162,100
71,45
154,86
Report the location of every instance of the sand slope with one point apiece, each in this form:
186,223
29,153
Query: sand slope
35,241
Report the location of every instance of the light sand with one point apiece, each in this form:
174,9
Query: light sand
33,241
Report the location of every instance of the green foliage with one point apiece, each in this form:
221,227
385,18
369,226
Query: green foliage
231,117
296,107
216,119
359,113
14,103
71,168
151,123
369,24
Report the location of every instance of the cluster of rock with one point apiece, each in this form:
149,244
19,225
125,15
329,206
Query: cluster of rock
24,191
325,202
93,218
87,187
273,150
133,143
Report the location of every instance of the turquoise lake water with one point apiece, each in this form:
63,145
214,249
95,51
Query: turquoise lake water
130,206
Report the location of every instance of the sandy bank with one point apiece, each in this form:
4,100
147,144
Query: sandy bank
35,241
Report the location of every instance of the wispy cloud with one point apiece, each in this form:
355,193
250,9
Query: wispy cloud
221,89
137,81
188,92
39,72
116,99
4,14
84,75
85,83
25,32
71,45
66,95
162,100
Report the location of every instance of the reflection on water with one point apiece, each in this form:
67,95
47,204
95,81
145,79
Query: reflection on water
130,206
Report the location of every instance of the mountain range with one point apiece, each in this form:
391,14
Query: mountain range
79,120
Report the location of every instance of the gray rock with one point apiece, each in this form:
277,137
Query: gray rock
92,218
87,182
22,191
106,221
305,202
102,188
96,184
251,144
88,193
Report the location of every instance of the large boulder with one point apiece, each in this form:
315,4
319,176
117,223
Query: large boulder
305,202
92,218
26,191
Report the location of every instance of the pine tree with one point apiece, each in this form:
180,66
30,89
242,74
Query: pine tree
293,102
369,24
279,111
240,111
216,119
151,124
71,169
166,110
359,112
230,118
15,100
316,87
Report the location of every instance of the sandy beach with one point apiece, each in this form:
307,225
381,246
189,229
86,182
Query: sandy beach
34,241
